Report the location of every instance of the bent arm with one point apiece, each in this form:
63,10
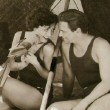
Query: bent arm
15,66
48,51
103,55
68,76
47,55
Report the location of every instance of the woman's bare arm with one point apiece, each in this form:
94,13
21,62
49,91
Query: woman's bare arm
47,55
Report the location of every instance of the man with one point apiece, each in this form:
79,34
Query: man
86,57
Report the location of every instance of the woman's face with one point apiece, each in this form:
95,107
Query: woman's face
44,31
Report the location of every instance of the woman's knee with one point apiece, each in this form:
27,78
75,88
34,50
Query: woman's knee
30,104
35,102
4,106
27,97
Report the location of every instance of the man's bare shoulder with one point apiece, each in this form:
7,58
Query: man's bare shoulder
101,44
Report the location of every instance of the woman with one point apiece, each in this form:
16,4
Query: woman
86,57
27,91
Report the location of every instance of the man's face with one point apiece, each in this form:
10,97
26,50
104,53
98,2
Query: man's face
65,32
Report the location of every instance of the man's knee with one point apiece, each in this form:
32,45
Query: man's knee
53,106
96,107
102,103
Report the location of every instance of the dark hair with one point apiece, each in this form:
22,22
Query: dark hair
40,17
75,19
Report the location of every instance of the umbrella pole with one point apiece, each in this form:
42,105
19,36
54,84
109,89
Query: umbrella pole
50,76
53,67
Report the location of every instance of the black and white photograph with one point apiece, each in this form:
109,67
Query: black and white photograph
54,54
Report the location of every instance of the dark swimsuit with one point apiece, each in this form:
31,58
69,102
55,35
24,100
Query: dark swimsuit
85,69
30,75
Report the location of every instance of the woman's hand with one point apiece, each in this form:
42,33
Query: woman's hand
31,58
15,66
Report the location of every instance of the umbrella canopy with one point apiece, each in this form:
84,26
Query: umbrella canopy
58,5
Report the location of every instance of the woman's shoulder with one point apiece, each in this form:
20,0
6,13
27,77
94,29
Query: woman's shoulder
26,32
49,47
17,36
18,33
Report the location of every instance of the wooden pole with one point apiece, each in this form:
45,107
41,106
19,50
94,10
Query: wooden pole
67,2
53,67
50,76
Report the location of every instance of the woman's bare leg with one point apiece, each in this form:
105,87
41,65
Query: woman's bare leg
21,95
64,105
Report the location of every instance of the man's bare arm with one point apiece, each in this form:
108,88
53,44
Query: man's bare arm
68,76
